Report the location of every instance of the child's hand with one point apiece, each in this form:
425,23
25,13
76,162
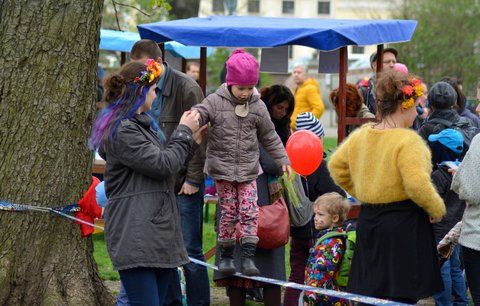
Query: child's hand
190,119
288,170
198,135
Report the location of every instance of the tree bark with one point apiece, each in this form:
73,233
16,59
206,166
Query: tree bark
48,71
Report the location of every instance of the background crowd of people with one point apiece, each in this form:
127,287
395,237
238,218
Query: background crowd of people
150,134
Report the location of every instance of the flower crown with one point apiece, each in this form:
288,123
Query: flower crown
151,72
411,91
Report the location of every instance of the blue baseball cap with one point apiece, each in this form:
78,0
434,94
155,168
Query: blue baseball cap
450,138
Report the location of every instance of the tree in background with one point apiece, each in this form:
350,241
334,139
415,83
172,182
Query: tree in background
446,41
184,9
48,73
216,63
127,14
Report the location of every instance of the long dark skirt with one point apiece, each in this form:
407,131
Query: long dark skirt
395,256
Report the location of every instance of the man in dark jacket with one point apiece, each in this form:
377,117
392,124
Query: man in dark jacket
177,93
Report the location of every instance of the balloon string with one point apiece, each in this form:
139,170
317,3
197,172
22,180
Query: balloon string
306,185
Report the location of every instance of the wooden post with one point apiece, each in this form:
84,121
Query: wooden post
203,69
379,59
184,65
123,58
162,48
342,81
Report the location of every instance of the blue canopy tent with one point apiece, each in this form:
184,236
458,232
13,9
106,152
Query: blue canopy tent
246,31
112,40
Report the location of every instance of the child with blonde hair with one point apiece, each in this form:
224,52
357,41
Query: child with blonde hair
331,210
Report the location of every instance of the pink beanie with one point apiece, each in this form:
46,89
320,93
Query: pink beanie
242,69
401,68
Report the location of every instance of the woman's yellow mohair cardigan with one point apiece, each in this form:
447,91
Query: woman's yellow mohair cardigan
384,166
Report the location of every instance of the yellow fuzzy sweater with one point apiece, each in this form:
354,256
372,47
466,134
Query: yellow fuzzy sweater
384,166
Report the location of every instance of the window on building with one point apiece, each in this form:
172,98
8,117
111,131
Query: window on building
358,50
323,8
217,6
288,7
290,51
253,6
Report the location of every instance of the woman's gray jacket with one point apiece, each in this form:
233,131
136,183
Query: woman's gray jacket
142,226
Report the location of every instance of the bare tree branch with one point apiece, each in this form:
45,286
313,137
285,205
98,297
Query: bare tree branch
131,6
116,14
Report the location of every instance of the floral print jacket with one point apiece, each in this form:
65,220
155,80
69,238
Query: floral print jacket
322,265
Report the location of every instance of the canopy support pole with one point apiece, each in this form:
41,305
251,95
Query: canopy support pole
203,69
379,59
342,81
184,65
123,58
162,48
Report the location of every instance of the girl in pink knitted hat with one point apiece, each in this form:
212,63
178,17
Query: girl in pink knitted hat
239,121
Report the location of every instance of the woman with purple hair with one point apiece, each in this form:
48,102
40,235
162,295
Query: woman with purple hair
142,232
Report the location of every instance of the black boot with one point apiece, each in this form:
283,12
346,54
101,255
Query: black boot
248,265
226,265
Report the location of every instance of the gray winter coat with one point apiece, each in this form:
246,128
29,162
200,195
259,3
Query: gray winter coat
142,220
232,148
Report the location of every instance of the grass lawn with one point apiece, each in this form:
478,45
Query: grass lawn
100,254
329,144
108,273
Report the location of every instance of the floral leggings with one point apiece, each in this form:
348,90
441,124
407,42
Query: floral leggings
239,204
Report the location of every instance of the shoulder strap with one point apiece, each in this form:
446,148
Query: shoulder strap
331,235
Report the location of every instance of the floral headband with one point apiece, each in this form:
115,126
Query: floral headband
411,91
151,72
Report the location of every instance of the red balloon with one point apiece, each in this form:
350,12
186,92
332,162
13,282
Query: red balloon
305,150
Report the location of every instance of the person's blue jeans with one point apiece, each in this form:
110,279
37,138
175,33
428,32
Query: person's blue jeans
453,281
122,298
471,259
196,276
146,286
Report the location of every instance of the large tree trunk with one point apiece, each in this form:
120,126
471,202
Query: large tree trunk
48,63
